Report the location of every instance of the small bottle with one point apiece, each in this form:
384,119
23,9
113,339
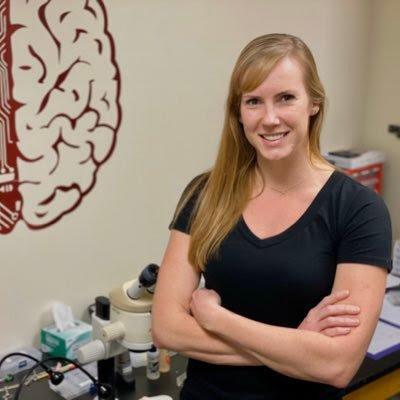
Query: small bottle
165,361
153,363
125,374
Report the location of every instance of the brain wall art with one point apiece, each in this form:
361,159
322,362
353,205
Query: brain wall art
59,111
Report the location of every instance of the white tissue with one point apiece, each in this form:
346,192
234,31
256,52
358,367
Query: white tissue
161,397
63,317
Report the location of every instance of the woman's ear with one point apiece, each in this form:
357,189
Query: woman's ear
314,110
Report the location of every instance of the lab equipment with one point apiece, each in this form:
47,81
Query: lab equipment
75,383
129,325
56,377
122,322
365,167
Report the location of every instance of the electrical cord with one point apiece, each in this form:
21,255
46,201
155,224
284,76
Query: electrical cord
45,367
55,381
103,390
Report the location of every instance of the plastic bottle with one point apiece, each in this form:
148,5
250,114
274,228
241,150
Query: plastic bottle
153,363
165,361
124,370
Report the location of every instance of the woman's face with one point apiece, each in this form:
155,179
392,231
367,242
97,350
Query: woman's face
275,115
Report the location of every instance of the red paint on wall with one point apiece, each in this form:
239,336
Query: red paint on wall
10,199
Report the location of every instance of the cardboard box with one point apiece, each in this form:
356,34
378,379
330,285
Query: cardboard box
64,344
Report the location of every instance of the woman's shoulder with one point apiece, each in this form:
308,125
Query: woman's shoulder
350,189
197,183
350,197
187,203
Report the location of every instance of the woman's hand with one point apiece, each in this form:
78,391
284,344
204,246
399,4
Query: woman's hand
204,306
332,319
327,317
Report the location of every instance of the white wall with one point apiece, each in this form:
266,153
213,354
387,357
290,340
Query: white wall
382,102
175,59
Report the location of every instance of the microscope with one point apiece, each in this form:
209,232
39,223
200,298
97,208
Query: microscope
121,322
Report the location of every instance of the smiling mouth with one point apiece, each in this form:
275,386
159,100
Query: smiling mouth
274,137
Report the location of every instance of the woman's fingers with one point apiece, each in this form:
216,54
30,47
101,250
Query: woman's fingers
338,331
332,298
342,322
338,309
331,318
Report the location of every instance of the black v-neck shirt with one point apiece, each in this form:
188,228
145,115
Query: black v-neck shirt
277,280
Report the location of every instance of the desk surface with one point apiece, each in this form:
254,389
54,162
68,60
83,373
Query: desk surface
166,384
369,371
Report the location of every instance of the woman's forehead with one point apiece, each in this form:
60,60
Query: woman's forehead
286,74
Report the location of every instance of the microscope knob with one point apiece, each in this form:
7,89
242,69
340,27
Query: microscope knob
113,331
92,351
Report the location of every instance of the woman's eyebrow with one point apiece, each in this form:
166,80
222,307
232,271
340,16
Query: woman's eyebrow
289,91
292,92
250,95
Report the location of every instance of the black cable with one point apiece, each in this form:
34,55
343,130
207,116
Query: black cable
103,390
56,377
22,383
24,355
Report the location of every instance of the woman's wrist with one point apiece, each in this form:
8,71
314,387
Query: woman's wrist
206,308
216,317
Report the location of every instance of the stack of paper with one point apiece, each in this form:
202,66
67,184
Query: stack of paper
386,337
396,258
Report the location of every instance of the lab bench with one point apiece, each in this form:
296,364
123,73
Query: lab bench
375,380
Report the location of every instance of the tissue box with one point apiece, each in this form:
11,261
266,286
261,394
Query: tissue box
64,344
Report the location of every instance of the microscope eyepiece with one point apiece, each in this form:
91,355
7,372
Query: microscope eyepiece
146,281
148,276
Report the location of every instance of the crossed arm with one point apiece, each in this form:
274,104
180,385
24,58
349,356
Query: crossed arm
173,326
193,322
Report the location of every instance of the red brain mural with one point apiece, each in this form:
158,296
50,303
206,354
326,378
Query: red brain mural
60,111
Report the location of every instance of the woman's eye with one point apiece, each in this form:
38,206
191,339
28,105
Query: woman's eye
287,97
252,102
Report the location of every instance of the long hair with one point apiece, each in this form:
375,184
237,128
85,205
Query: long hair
223,192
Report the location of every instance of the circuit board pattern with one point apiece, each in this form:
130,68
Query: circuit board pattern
10,199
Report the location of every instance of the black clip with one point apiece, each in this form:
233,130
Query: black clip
395,129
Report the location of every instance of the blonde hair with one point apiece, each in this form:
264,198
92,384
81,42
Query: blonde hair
223,191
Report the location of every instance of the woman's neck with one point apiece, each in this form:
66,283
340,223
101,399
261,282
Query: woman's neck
282,174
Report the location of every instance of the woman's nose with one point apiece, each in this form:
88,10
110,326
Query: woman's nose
270,116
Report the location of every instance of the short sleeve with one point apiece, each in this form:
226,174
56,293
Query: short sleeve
181,222
366,232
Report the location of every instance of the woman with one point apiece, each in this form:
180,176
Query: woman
279,235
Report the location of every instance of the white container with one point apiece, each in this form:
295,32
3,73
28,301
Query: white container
153,363
13,365
355,158
75,383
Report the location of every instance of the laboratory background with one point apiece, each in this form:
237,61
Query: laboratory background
109,108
